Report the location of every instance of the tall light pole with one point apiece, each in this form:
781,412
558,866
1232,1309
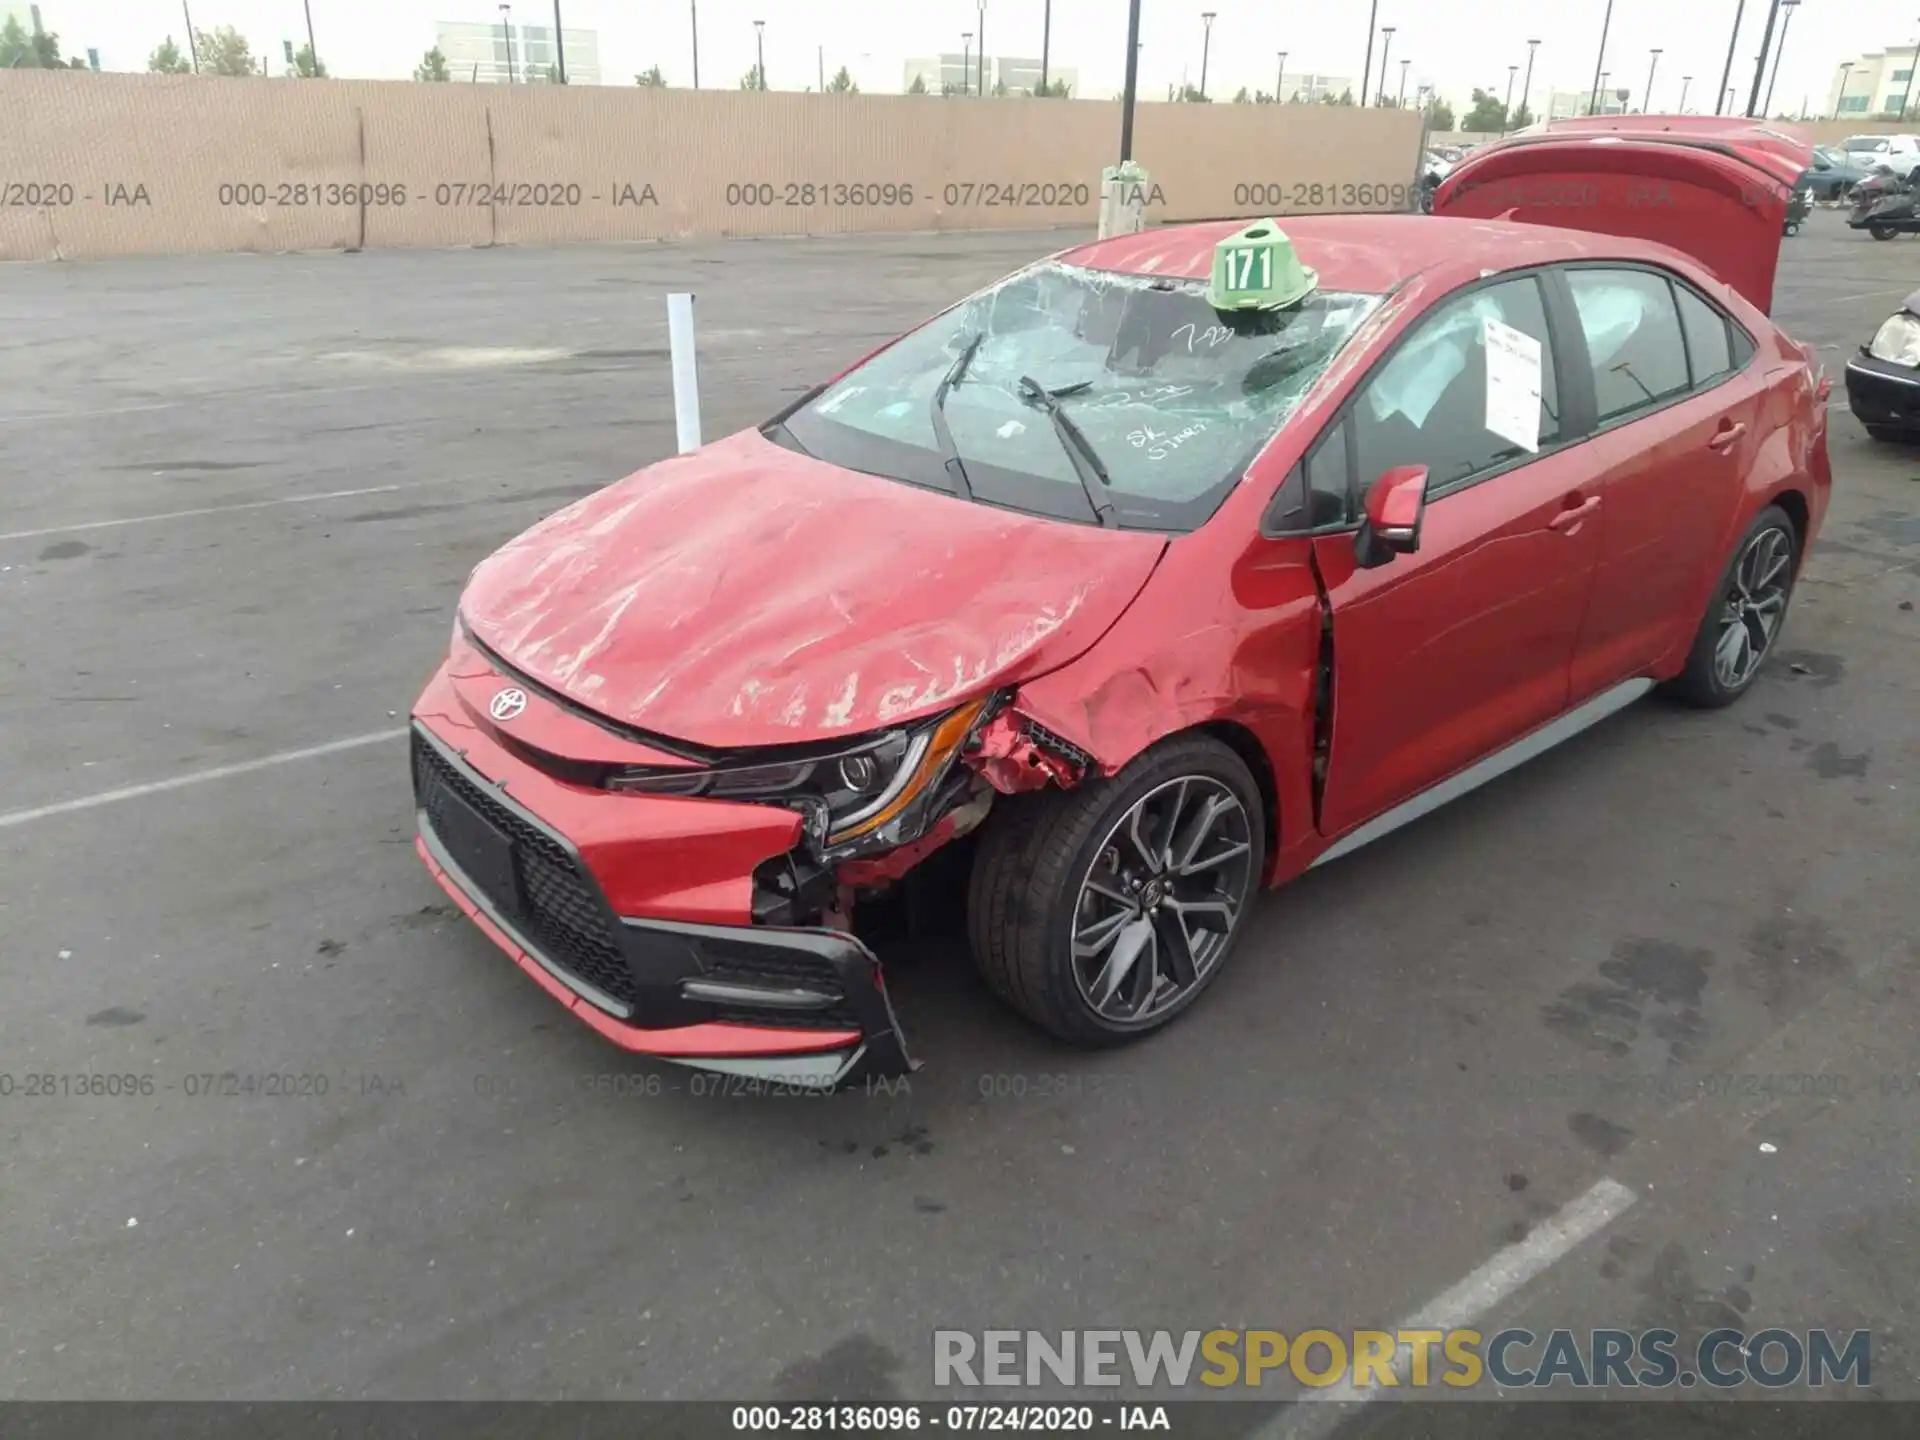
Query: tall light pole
760,54
1206,45
1739,10
506,28
1646,105
1400,101
1046,37
966,62
694,7
559,46
1907,94
1846,72
1133,81
1686,82
313,51
1386,51
1506,113
1760,62
1727,99
1280,80
1366,76
1785,21
820,66
1606,24
1603,88
193,45
981,12
1526,90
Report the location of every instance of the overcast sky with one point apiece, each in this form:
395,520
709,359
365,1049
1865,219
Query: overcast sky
1456,44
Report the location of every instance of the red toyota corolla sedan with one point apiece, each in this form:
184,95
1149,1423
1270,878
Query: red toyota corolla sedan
1171,565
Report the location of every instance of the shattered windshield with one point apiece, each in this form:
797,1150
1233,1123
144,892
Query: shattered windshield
1172,397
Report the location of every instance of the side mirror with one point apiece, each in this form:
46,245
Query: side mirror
1394,506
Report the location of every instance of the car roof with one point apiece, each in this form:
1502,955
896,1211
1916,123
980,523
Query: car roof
1367,254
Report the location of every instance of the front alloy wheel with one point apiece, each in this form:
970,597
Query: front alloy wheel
1103,911
1161,899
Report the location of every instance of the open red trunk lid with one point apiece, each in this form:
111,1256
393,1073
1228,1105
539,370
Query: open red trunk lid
1716,188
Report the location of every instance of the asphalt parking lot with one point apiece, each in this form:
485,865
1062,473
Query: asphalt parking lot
241,496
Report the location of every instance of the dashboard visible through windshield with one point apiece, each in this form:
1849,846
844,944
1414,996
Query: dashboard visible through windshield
1081,394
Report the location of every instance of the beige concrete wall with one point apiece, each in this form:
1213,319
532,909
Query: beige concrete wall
151,164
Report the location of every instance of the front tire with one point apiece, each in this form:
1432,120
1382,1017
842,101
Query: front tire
1101,913
1888,435
1744,618
1882,232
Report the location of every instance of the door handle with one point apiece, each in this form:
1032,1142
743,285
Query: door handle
1727,434
1571,517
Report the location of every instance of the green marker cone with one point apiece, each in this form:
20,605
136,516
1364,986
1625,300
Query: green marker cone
1258,269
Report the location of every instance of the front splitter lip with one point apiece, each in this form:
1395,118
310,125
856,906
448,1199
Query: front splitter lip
803,1059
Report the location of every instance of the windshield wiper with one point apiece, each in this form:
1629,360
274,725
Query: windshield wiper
1086,460
943,432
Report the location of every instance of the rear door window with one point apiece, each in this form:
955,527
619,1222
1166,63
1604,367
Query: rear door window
1709,350
1634,339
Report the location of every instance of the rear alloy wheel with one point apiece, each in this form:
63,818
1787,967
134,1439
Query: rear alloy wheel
1102,912
1744,618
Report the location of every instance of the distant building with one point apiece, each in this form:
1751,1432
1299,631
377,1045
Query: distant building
479,52
960,73
1566,104
1311,89
1875,84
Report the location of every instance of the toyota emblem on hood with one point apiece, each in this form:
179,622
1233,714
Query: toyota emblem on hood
508,703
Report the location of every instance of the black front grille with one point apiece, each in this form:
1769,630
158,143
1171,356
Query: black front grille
556,908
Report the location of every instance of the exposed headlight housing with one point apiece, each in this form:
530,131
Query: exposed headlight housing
849,794
1898,340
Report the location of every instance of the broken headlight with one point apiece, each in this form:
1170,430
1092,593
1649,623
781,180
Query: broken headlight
1898,340
845,794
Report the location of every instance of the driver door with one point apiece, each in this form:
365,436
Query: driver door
1451,652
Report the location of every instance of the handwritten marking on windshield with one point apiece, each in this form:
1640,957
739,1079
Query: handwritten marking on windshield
1152,395
1161,443
1210,338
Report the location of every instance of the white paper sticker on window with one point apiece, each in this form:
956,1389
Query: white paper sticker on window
1513,384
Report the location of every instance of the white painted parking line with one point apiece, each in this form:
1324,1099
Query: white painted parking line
197,777
221,509
1322,1411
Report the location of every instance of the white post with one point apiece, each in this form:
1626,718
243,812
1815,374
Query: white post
686,378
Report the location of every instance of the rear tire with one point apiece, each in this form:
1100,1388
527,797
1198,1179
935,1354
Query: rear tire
1102,912
1745,616
1887,435
1882,232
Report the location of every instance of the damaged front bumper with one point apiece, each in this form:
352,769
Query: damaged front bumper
801,1006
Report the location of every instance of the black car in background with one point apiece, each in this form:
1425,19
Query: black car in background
1883,380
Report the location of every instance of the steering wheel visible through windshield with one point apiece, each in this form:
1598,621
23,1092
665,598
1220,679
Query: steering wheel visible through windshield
1171,399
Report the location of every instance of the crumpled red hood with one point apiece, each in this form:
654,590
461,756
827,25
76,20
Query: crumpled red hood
748,595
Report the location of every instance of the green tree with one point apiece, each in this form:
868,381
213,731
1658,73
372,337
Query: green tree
999,88
1520,119
842,83
21,51
225,51
1440,116
919,85
651,78
306,66
947,87
1345,97
1191,93
432,67
1053,90
1243,96
754,79
167,59
1487,116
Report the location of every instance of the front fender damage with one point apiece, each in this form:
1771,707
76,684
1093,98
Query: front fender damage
1014,753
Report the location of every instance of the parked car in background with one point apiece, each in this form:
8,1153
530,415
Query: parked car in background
1900,152
1883,380
1834,173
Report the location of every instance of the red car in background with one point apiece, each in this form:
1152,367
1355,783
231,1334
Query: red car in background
1162,597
